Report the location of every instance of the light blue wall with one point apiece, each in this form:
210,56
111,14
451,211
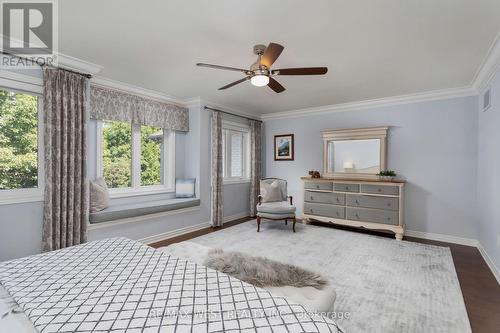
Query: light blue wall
433,145
21,230
488,185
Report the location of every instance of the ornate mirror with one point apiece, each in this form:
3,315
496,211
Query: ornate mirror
354,153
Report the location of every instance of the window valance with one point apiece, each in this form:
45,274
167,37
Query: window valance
109,104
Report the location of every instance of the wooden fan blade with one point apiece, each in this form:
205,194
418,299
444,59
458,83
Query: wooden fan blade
270,55
235,83
301,71
275,85
222,67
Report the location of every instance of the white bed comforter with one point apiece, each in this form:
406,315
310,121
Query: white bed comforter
121,285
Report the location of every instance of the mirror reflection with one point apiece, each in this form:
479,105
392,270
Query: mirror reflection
354,156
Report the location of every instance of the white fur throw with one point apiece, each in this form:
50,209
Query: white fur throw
261,271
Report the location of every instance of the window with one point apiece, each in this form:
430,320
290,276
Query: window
20,162
136,159
151,155
235,142
117,153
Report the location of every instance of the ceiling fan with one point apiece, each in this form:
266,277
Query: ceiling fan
260,73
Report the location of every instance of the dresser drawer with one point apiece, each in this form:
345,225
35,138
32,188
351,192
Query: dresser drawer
324,210
380,189
346,187
373,215
324,186
324,197
371,201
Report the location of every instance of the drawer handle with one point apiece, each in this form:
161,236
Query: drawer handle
317,186
338,200
389,204
379,189
312,198
310,209
337,213
388,219
357,216
347,187
357,202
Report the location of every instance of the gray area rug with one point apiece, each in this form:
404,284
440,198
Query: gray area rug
384,285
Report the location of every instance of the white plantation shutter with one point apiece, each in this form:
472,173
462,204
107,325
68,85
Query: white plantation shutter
235,142
236,154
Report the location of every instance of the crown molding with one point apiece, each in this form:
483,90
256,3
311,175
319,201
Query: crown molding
129,88
488,68
375,103
193,102
79,65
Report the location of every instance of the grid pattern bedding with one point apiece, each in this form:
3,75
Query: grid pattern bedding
119,285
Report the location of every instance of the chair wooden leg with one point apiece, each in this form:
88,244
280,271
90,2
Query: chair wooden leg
294,220
286,221
258,223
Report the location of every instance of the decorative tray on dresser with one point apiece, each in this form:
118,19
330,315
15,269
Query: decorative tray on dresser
370,204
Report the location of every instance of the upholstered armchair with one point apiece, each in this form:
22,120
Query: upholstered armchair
274,202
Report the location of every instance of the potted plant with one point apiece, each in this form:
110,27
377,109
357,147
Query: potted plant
386,175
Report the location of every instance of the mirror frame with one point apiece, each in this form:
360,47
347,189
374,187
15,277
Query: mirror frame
355,134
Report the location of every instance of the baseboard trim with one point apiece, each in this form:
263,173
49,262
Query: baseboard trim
186,230
494,269
236,216
174,233
442,238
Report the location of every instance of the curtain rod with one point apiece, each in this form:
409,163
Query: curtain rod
232,114
88,76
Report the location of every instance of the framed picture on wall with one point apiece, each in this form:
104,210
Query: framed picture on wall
283,147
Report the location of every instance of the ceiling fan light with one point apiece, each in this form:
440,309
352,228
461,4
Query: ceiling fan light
260,80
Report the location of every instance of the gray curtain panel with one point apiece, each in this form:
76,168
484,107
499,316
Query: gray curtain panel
255,163
216,207
66,196
109,104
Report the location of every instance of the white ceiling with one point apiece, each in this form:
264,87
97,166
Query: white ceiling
373,49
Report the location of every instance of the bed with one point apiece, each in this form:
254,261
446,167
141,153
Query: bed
120,285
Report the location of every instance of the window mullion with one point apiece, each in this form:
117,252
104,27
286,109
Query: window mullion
136,155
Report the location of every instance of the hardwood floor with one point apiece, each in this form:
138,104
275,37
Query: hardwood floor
479,287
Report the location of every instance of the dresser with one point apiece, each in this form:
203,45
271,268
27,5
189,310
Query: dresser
370,204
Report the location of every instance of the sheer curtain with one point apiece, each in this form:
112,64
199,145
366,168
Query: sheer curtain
216,207
255,163
66,195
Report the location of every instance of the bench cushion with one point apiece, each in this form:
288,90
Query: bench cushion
122,211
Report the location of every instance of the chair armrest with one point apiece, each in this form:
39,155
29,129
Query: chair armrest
291,199
260,199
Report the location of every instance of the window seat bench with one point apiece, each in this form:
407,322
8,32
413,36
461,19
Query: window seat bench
123,211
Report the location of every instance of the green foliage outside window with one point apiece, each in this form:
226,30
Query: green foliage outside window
151,147
117,153
18,140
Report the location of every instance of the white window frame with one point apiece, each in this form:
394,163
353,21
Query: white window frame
33,86
136,189
227,128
